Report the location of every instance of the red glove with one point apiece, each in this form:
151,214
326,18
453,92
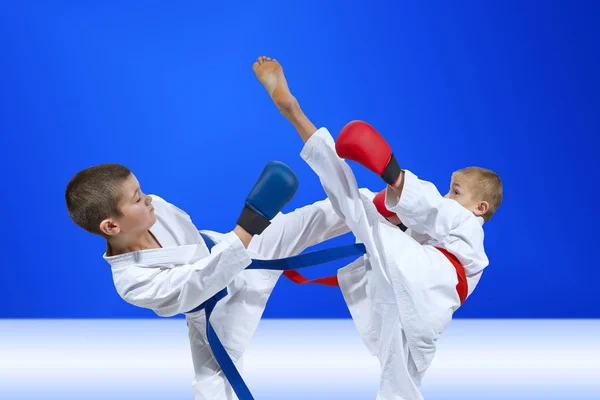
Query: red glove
379,201
360,142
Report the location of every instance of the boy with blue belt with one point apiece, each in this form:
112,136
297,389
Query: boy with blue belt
160,260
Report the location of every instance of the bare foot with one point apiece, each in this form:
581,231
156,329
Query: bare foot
270,74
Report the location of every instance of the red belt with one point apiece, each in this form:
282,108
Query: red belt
461,287
296,277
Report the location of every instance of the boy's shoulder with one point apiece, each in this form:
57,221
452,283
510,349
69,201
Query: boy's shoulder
175,221
163,206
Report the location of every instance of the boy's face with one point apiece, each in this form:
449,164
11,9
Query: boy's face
463,191
137,213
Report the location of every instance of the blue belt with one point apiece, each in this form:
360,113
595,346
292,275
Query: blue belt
283,264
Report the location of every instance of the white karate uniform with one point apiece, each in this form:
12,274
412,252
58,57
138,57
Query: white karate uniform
402,294
182,274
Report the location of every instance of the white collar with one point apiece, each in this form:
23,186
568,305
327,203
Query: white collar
169,253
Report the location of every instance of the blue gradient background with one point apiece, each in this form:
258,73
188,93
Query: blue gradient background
167,89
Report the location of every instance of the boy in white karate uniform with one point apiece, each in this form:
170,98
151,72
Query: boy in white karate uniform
403,293
160,261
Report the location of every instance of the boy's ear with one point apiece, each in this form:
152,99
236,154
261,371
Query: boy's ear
482,208
109,227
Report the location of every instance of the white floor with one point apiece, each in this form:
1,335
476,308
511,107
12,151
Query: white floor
295,359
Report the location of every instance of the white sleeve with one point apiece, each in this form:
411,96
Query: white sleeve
419,237
425,211
289,234
178,289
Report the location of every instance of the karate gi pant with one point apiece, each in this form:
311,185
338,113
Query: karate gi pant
401,294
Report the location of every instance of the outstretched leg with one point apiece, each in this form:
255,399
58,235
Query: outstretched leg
270,73
335,174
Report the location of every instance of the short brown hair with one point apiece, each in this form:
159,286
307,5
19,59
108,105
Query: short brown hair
487,186
93,195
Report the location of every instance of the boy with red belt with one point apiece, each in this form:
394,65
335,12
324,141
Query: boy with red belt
402,294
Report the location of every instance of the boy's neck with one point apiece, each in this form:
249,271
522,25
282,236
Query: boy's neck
126,244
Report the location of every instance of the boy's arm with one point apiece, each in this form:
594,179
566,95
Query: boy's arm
289,234
417,203
419,237
423,209
169,291
175,289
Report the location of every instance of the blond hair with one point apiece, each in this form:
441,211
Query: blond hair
487,186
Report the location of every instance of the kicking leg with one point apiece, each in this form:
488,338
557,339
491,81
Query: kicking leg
335,174
270,73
